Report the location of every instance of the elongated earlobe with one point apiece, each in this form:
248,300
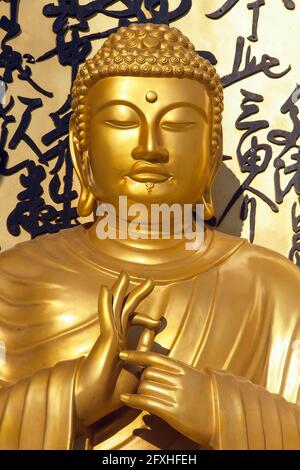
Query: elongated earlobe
208,208
207,201
86,202
80,160
207,198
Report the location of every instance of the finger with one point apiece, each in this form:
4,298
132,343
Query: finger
159,375
119,290
147,336
146,340
146,359
155,406
105,312
133,300
157,390
142,320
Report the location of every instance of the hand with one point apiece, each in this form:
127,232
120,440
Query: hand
99,372
179,394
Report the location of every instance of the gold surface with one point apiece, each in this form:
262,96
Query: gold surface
142,344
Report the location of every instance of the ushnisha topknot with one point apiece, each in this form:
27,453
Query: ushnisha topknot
146,50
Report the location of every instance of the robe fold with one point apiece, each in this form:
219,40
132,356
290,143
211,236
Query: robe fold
37,412
231,308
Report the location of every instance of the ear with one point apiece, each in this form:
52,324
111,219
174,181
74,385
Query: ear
207,198
80,160
208,204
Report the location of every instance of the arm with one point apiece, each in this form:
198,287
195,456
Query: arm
38,412
247,416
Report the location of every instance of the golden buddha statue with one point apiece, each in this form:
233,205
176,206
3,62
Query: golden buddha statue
142,344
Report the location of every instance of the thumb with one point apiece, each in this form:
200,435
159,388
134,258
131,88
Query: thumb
105,310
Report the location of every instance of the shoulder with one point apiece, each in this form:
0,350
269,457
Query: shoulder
38,269
268,263
258,259
34,258
268,282
260,269
35,280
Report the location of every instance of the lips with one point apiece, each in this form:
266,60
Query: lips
148,173
148,178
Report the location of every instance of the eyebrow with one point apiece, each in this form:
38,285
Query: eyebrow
112,103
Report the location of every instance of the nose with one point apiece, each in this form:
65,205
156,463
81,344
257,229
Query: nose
149,148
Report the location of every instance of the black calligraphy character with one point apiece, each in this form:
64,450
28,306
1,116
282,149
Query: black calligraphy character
254,6
251,66
27,211
294,254
67,215
288,141
11,60
253,161
289,4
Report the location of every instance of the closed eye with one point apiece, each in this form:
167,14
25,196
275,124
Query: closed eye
176,125
122,124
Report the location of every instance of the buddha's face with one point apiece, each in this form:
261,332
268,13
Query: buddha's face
149,139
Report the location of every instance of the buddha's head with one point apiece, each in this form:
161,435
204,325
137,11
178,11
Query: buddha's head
146,121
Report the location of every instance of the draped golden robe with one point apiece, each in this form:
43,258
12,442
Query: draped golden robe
232,308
